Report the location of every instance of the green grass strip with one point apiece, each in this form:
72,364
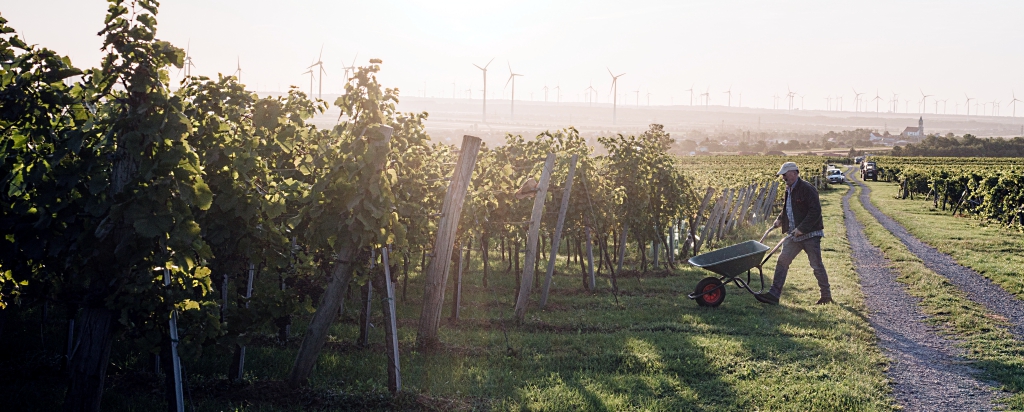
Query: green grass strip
983,335
987,247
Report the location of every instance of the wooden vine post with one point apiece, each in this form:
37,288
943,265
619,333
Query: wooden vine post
444,240
531,238
558,230
337,286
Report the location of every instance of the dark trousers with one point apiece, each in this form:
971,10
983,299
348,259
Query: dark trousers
789,251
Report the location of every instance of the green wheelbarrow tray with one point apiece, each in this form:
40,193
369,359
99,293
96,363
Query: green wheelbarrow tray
730,263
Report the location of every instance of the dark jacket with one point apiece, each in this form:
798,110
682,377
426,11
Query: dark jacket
806,208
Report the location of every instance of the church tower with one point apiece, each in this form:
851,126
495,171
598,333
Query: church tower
920,126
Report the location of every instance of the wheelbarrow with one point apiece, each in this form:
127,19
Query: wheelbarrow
730,262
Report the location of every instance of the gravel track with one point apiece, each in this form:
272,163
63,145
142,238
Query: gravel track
927,371
978,289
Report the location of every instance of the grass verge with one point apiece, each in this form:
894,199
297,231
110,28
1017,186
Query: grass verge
984,335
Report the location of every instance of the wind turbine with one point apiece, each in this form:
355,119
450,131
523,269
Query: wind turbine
968,103
707,97
558,93
321,72
790,95
309,71
729,92
924,98
238,69
591,93
615,93
187,66
896,102
691,93
484,69
1014,103
856,98
637,91
802,101
350,68
512,79
877,99
545,93
648,99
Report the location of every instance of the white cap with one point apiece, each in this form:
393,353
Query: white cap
788,166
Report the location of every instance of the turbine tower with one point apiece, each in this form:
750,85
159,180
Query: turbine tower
591,94
558,93
729,92
484,69
615,93
545,89
691,93
968,103
877,99
512,79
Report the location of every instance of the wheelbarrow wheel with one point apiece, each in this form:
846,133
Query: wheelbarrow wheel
715,292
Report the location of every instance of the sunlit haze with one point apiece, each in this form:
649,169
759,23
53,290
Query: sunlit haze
820,51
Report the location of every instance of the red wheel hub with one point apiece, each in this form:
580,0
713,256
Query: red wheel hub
711,293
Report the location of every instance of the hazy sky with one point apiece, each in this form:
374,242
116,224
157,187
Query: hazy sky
817,48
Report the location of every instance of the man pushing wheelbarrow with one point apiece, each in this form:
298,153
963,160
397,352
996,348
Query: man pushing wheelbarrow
800,219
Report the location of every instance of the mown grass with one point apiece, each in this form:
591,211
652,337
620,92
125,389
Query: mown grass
989,248
985,336
652,349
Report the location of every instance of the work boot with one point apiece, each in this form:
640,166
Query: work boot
824,300
766,298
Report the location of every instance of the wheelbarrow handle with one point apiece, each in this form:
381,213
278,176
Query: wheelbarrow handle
772,250
765,235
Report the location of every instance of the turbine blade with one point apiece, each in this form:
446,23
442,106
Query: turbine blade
489,62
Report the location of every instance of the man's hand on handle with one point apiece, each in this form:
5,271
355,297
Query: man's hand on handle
795,232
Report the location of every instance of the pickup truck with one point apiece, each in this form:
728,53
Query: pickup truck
868,170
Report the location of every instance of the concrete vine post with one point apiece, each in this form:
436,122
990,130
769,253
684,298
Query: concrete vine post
391,332
558,230
532,237
444,240
591,281
175,360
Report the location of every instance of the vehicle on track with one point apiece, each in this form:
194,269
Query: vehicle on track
835,175
868,170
